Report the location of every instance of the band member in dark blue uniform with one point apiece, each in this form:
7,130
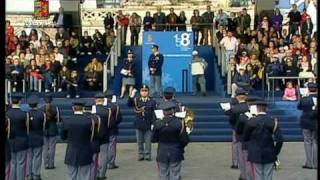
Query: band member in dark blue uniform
7,149
240,106
155,69
171,135
37,127
105,115
53,119
264,142
144,107
18,130
308,123
169,95
87,111
78,131
114,131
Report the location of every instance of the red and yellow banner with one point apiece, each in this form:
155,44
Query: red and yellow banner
41,9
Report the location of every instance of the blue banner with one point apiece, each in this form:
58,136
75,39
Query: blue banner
176,48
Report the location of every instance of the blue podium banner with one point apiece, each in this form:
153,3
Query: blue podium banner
176,48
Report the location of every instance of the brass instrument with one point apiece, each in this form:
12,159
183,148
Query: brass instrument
188,120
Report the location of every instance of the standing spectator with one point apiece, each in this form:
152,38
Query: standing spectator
221,19
122,22
231,47
264,25
196,21
253,75
64,76
62,20
33,32
220,33
155,69
147,22
93,73
303,17
294,22
307,27
244,20
198,70
74,45
159,20
207,26
17,74
135,27
86,44
274,68
181,21
108,22
34,75
9,29
129,73
73,84
46,70
232,22
276,21
98,43
172,20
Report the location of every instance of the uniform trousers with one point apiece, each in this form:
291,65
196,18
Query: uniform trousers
18,165
170,170
34,162
94,166
8,171
242,163
155,85
263,171
248,166
49,151
144,143
103,160
310,147
112,150
235,149
78,173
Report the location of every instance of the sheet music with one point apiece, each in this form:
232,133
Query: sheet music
303,91
159,114
134,91
314,99
124,72
225,106
197,68
253,109
105,102
114,99
181,114
94,109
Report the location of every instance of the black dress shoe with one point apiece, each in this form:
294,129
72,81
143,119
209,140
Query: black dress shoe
140,159
241,178
46,167
113,167
101,178
306,167
52,167
148,159
234,167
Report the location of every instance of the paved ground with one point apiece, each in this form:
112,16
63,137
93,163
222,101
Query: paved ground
204,161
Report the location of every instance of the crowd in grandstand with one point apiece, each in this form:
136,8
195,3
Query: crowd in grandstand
251,54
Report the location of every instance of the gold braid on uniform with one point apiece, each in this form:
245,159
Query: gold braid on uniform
44,121
136,109
109,116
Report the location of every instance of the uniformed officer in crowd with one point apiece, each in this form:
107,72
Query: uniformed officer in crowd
169,95
7,148
53,120
264,142
105,115
308,123
87,111
144,107
155,69
37,127
171,135
244,164
114,131
78,130
18,130
234,112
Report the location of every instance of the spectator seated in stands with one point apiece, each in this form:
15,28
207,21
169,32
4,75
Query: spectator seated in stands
86,44
74,45
108,41
289,92
16,74
239,77
64,76
253,75
34,75
93,73
98,43
73,84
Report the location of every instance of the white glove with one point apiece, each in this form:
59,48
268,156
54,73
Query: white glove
133,93
152,127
